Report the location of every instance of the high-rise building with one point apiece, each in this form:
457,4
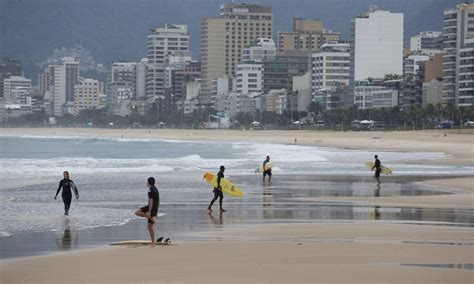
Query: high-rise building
63,78
306,35
162,43
458,35
330,66
87,95
376,45
16,89
425,42
178,75
9,67
223,38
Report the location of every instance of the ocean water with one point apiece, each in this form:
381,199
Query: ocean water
111,176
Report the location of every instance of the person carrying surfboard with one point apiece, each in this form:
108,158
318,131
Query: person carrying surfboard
67,185
267,170
150,211
218,191
378,168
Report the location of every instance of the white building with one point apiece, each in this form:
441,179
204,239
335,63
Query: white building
376,45
87,95
366,97
330,66
426,42
64,77
163,43
263,49
16,89
249,78
237,102
458,35
302,86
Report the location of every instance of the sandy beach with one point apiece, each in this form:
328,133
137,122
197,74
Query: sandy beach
306,253
348,251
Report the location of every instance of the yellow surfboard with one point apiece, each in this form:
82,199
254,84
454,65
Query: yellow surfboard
227,187
384,169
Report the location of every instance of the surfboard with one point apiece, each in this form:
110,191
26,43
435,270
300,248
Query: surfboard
137,243
384,169
74,188
227,187
260,169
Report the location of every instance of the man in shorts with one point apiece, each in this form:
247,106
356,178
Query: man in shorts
150,211
267,172
378,168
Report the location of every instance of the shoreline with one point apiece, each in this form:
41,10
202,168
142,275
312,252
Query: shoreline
289,250
458,146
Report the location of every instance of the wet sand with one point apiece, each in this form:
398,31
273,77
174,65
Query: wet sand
458,144
302,253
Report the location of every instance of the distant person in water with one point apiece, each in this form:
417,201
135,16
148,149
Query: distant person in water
150,211
67,185
378,168
218,191
267,172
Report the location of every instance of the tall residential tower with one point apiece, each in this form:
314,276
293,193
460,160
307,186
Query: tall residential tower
223,38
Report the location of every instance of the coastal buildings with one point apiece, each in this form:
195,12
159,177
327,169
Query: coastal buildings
376,45
62,78
264,48
87,95
278,73
162,43
330,66
249,78
9,67
306,35
427,42
16,89
458,35
223,39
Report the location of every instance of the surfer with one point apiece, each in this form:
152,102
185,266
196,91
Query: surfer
150,211
218,191
66,184
267,171
378,169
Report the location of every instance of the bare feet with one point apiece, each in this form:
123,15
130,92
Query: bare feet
222,210
209,210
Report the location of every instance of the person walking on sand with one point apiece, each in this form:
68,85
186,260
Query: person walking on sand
150,211
218,191
267,171
378,168
67,185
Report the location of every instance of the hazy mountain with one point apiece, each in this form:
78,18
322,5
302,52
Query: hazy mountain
116,29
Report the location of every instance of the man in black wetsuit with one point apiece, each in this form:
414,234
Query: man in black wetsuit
150,211
267,171
378,169
218,190
67,185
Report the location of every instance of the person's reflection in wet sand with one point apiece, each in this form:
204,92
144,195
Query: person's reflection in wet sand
66,241
377,208
218,221
267,201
